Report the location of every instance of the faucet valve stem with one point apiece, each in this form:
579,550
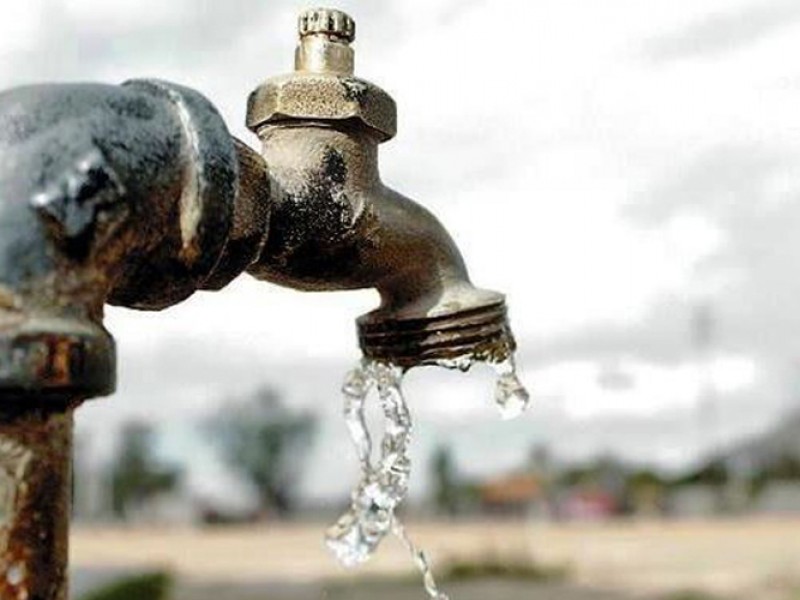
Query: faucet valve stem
325,38
329,22
323,87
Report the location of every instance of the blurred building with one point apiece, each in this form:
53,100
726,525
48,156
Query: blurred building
694,501
513,495
779,498
588,504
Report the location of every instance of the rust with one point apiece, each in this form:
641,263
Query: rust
122,194
35,454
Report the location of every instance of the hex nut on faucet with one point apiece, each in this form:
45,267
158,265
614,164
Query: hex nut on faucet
323,85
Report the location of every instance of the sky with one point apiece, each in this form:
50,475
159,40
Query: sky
610,166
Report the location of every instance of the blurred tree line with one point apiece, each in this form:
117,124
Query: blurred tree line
265,442
633,489
257,436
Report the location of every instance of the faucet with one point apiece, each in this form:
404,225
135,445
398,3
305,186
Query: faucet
138,196
336,225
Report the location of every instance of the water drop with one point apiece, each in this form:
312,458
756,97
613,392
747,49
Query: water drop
421,560
384,480
461,363
510,395
355,389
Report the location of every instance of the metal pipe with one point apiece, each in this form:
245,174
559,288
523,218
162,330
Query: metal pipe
135,195
35,477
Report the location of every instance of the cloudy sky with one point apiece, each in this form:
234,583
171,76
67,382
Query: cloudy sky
609,165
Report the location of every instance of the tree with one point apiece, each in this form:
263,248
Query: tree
784,467
266,443
713,473
135,473
445,481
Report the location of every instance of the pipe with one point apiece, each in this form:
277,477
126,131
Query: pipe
336,226
35,478
135,195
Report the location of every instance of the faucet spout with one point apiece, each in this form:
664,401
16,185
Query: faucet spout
335,225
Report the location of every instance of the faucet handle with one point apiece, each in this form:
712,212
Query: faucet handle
323,86
327,21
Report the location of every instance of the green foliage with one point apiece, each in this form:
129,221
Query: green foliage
266,443
135,473
503,568
690,595
646,478
714,473
605,469
153,586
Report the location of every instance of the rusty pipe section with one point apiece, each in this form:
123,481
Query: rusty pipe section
335,225
135,195
35,477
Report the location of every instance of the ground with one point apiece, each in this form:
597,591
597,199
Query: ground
733,558
497,590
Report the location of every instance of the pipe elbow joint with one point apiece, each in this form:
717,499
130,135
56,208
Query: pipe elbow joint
123,194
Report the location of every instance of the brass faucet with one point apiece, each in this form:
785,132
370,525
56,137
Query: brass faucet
336,225
137,195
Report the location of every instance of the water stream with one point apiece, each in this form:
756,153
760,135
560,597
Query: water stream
384,479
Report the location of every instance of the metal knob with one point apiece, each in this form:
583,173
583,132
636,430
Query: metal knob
323,87
327,21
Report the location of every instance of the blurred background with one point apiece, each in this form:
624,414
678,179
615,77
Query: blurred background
626,171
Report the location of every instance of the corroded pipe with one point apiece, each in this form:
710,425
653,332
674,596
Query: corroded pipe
135,195
35,477
335,225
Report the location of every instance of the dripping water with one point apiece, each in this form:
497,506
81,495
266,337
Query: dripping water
510,395
384,481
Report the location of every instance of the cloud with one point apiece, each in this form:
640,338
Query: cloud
718,33
749,192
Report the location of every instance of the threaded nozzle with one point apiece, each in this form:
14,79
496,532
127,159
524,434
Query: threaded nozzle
327,21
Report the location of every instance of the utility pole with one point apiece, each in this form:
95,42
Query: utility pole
704,333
